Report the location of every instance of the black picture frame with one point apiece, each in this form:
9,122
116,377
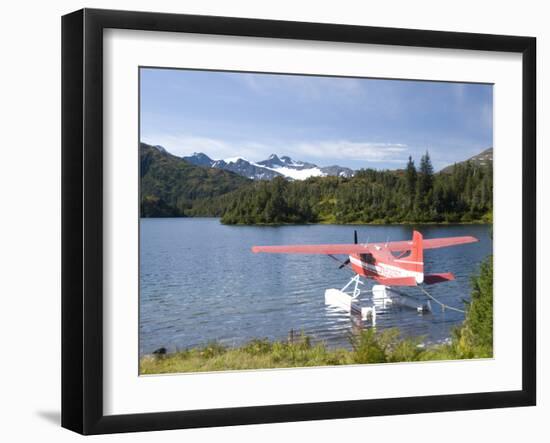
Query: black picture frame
82,218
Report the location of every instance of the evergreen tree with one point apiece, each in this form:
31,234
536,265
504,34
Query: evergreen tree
410,178
424,188
475,338
426,175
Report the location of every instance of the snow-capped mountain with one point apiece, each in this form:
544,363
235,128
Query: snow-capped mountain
270,168
273,161
295,170
245,168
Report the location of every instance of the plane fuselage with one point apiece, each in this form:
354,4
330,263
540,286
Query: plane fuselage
382,266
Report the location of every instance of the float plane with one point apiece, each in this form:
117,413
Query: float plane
391,264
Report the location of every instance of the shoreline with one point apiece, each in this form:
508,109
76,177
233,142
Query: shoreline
356,223
367,347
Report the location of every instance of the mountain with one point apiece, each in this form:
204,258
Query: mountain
273,161
245,168
199,159
170,186
339,171
289,168
270,168
484,158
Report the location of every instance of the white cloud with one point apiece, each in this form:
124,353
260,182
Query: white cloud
353,150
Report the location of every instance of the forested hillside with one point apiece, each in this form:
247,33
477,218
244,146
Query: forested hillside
411,195
170,186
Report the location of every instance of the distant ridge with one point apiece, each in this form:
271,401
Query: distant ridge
273,166
484,158
199,159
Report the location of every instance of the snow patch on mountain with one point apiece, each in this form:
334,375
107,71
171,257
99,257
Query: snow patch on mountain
298,174
273,166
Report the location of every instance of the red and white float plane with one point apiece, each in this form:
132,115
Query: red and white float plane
396,263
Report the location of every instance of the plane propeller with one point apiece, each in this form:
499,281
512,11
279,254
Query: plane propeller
347,261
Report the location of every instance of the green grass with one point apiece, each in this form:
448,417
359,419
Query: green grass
367,347
256,354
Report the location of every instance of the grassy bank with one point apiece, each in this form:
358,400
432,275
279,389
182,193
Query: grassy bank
473,339
367,347
257,354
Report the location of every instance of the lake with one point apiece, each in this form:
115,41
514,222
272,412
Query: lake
199,282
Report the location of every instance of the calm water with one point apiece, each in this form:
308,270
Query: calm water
200,282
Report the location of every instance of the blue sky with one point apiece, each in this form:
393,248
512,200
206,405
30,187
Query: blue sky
352,122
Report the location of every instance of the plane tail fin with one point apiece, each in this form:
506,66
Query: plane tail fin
416,257
417,251
415,260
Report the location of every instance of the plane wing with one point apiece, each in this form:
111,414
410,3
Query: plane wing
315,249
427,243
345,249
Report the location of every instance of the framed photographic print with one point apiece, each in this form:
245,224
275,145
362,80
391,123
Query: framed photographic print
269,221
